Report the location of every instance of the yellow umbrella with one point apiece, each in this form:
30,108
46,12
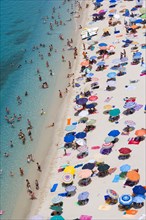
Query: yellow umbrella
107,107
70,169
106,29
135,42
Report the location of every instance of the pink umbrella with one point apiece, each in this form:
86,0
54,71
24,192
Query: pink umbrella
102,12
84,174
93,98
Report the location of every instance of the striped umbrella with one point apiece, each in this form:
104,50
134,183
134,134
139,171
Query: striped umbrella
112,194
107,145
67,178
125,199
109,139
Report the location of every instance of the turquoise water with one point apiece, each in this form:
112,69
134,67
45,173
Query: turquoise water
22,27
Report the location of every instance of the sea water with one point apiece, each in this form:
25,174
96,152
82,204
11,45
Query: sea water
23,25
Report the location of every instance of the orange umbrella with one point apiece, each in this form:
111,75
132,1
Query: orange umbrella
85,63
85,173
112,10
140,132
133,175
134,26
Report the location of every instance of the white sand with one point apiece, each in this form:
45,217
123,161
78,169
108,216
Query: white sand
97,188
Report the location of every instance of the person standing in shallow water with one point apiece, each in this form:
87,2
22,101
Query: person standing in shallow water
36,185
60,94
39,167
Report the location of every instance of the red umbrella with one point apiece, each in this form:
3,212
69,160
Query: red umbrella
93,98
125,150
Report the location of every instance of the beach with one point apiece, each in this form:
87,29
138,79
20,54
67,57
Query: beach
52,151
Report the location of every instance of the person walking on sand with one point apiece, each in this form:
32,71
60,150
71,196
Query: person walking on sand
36,185
39,167
69,64
32,195
63,60
21,171
60,94
27,183
142,61
84,47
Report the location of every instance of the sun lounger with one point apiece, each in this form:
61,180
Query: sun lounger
54,187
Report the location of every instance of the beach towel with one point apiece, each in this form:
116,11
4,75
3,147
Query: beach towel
95,147
54,187
67,154
78,165
63,194
116,179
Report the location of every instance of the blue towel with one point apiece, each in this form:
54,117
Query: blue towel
62,194
78,165
116,179
54,187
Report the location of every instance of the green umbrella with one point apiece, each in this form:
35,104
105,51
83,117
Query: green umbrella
142,10
109,139
57,217
91,122
56,208
103,167
143,16
114,112
84,119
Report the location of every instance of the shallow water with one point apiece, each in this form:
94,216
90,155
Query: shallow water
19,32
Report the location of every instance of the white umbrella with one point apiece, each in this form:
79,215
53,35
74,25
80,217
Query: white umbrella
83,113
117,16
111,83
81,142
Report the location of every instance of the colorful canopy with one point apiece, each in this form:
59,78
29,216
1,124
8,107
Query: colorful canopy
140,132
125,168
86,173
133,176
103,167
125,199
112,194
83,196
114,133
139,190
125,150
70,169
57,217
70,188
57,199
89,166
67,178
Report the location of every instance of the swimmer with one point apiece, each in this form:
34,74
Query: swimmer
21,171
6,154
42,112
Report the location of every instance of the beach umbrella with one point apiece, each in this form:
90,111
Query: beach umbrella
112,10
93,57
107,107
139,190
89,166
84,174
129,105
37,217
112,193
81,142
116,61
133,176
84,119
114,133
82,101
83,196
102,45
117,16
138,199
85,63
82,149
83,113
70,127
114,112
93,98
137,54
107,145
56,208
125,199
124,59
121,69
138,21
140,132
143,16
70,169
57,199
125,168
91,122
81,135
142,10
89,75
67,178
103,167
130,123
102,12
109,139
69,138
95,14
70,188
111,83
89,106
101,63
125,150
57,217
111,75
133,9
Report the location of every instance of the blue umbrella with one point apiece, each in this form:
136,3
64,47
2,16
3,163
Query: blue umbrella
98,1
69,138
93,57
114,133
124,59
90,106
139,190
82,196
102,45
138,21
133,9
127,41
125,168
81,101
127,13
89,75
111,75
89,166
77,85
70,188
111,15
81,135
70,127
138,199
137,55
101,63
125,199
